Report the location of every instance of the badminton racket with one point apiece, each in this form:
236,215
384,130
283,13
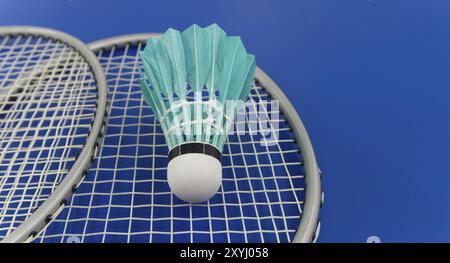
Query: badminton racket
53,99
271,183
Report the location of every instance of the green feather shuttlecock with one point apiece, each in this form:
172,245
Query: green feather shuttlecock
195,81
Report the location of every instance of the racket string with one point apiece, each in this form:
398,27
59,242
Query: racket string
125,196
50,96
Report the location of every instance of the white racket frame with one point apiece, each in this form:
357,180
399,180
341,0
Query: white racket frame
310,222
57,200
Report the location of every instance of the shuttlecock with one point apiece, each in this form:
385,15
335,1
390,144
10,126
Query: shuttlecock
194,82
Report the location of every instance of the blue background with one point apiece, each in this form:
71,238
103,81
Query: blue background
370,79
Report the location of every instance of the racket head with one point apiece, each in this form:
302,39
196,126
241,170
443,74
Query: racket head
53,99
125,196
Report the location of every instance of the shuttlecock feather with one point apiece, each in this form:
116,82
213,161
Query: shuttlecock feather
193,81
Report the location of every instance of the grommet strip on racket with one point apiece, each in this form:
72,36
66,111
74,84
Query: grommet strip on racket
53,98
271,191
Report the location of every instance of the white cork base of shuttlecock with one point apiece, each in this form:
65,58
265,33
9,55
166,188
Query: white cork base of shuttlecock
194,177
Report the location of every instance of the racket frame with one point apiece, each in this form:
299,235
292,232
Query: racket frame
310,222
